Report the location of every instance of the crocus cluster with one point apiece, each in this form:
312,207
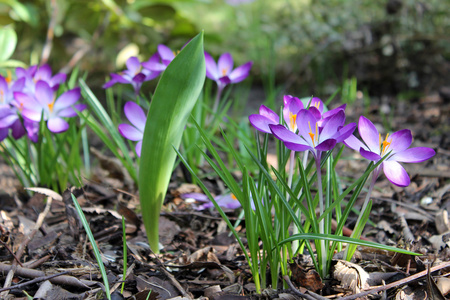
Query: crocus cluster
33,97
311,129
139,72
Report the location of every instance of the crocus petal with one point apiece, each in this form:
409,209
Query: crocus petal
118,78
400,141
240,73
316,113
211,67
326,145
345,132
133,64
396,173
3,84
196,196
3,133
354,143
292,105
285,135
138,148
140,77
109,84
270,114
413,155
32,115
57,125
369,155
297,147
70,112
7,121
154,64
261,123
57,79
317,103
67,99
331,127
165,53
44,93
369,134
306,123
228,201
18,130
225,64
130,132
135,115
43,73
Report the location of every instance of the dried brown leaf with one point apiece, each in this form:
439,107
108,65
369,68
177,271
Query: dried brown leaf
351,276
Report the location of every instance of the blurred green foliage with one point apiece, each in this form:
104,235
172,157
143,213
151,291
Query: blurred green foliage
296,45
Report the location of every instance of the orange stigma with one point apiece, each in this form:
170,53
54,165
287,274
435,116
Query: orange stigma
8,77
233,197
385,144
314,136
50,105
224,71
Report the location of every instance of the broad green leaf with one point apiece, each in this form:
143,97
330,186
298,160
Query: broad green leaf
8,42
174,98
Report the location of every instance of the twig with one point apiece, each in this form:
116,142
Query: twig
50,33
396,283
12,253
298,293
36,280
63,279
24,244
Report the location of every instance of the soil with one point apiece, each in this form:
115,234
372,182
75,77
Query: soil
200,260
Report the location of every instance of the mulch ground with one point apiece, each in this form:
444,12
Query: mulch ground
41,238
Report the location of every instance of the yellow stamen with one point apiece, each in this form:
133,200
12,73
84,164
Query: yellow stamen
292,121
317,104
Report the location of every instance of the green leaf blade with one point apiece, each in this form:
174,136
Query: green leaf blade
172,103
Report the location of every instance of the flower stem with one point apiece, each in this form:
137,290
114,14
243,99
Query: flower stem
216,102
296,243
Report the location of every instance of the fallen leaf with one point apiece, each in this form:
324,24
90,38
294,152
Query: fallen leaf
351,276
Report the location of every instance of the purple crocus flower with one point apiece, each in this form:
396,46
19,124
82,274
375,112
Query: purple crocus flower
310,136
374,148
227,201
43,73
134,75
161,59
47,105
9,119
266,116
8,87
135,114
223,73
